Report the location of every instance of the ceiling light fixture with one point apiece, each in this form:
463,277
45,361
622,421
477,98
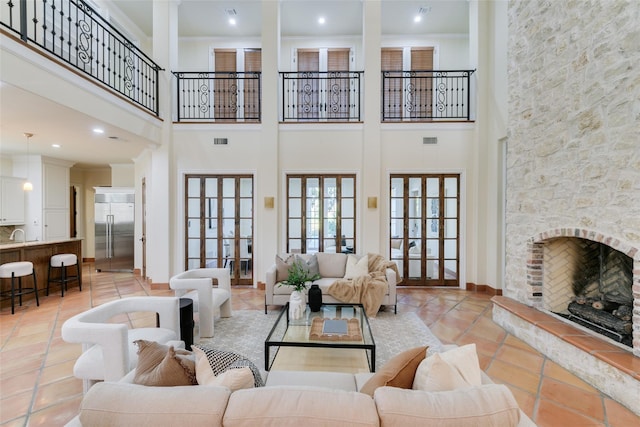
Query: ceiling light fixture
98,130
27,186
421,12
55,145
321,20
231,13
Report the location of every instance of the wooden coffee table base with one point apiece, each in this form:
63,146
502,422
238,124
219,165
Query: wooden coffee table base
321,359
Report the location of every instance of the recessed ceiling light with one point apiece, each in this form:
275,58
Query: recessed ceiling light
321,20
232,21
55,145
98,130
423,11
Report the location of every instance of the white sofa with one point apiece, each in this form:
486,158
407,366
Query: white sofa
292,398
198,285
108,352
331,266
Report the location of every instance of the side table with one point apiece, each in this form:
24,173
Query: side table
186,322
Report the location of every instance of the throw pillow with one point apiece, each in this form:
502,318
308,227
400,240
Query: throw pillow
311,264
234,379
220,361
399,371
161,365
463,361
442,376
356,267
283,263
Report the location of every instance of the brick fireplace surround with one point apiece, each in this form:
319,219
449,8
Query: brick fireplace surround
610,367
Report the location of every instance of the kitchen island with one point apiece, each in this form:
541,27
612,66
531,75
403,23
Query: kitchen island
39,253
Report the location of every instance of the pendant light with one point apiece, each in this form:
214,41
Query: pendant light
27,186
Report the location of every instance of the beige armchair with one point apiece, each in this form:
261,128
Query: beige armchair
197,284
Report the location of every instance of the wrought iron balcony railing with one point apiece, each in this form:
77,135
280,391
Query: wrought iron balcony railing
218,96
76,34
430,95
315,96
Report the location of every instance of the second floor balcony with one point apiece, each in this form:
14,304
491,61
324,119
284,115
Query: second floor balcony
75,35
332,96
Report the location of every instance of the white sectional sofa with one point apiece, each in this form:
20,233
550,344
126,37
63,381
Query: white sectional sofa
331,266
292,398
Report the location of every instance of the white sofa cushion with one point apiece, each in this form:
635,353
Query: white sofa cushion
122,404
331,265
295,406
335,380
488,405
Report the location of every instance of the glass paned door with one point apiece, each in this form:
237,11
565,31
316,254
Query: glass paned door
424,228
219,224
321,213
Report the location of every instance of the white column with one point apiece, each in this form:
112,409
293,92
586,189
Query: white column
372,180
268,180
161,191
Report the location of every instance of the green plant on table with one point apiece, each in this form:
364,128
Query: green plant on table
299,276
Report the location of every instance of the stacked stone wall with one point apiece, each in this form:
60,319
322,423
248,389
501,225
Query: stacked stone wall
573,151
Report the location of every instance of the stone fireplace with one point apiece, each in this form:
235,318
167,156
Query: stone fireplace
572,174
587,278
538,316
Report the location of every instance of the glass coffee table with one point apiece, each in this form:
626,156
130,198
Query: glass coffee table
337,338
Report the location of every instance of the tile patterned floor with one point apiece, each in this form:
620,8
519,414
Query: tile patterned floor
37,387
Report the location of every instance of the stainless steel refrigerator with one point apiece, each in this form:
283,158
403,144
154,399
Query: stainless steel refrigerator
114,209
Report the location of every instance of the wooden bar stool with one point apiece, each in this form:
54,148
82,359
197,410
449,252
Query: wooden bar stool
18,270
63,261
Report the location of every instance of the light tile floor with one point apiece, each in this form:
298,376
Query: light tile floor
37,387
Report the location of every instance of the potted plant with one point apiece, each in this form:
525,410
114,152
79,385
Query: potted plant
298,278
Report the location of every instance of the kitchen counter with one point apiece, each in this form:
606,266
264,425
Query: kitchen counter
13,245
39,253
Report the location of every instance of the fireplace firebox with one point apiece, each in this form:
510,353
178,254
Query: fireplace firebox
589,279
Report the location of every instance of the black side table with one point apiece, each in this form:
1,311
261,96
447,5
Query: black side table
186,322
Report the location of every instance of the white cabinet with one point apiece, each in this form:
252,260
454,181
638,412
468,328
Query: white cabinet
55,207
11,201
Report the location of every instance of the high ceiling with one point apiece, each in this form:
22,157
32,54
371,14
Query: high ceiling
206,18
22,111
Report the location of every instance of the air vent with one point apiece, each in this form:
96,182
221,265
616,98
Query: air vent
230,12
429,140
220,141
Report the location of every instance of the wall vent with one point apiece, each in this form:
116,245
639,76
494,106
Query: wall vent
430,140
220,141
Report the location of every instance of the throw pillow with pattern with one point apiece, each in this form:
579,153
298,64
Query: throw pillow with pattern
311,264
220,361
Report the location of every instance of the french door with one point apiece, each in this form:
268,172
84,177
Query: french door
425,228
321,213
219,224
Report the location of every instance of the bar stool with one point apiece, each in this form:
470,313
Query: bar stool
62,261
20,269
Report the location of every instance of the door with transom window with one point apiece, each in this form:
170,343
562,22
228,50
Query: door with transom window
219,224
424,233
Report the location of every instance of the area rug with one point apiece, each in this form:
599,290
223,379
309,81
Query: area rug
246,331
